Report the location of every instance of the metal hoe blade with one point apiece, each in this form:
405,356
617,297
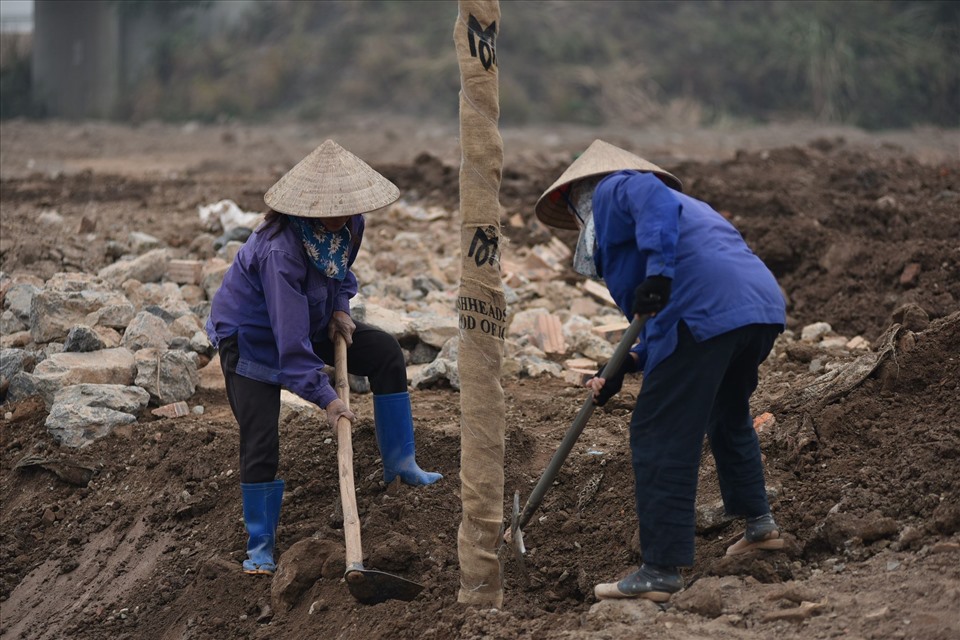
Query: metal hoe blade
372,587
520,518
516,539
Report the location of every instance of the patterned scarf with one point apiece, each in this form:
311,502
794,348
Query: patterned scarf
329,251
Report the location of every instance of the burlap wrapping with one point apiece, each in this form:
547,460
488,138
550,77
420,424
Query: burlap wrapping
481,305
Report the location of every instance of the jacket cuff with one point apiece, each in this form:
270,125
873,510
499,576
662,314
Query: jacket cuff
326,396
641,352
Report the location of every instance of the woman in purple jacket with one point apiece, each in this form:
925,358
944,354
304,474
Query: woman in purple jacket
715,311
274,318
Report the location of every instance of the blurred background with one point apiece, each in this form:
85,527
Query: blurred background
876,64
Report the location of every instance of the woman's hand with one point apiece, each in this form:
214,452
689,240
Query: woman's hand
341,323
336,410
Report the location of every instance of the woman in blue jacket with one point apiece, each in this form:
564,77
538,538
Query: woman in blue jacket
716,310
274,318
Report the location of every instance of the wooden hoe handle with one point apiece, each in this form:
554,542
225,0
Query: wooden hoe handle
348,494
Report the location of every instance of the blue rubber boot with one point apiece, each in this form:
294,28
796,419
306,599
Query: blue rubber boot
261,513
394,420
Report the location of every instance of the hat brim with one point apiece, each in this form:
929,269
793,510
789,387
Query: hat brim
600,158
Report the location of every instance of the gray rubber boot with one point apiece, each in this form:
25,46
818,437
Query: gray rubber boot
650,582
762,533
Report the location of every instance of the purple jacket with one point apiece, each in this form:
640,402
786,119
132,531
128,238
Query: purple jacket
275,301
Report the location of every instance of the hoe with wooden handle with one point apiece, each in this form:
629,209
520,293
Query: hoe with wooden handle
366,585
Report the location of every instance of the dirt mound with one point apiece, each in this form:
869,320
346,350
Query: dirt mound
140,535
886,452
850,237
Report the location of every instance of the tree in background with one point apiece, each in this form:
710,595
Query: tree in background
872,63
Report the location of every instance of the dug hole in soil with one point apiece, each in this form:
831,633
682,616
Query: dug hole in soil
140,534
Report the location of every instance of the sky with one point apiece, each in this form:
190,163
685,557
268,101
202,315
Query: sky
16,15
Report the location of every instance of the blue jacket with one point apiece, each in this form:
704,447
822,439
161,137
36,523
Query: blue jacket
274,300
645,228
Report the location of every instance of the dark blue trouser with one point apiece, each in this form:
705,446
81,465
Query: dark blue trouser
700,389
256,405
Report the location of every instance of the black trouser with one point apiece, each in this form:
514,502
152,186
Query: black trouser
256,405
700,389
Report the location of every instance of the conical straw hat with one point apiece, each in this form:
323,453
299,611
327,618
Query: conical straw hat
328,183
600,158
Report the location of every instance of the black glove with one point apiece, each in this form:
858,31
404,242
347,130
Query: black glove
652,295
613,382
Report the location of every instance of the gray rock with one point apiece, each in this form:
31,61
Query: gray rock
185,326
82,339
107,366
15,340
443,368
18,299
294,407
213,274
10,323
711,517
84,413
423,353
24,385
111,339
202,311
230,250
399,325
179,343
53,312
52,349
434,330
236,234
51,218
160,312
114,315
151,293
358,384
169,376
426,284
126,398
146,331
591,345
13,362
200,343
192,294
140,242
813,332
534,367
150,267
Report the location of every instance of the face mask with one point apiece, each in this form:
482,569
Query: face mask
581,202
583,256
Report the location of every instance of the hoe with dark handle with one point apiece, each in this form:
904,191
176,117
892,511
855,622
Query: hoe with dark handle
366,585
514,536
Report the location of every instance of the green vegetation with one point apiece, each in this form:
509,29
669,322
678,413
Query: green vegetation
872,63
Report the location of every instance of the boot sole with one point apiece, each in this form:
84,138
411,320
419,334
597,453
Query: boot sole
610,591
743,546
258,572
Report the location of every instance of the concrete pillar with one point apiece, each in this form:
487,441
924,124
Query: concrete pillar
76,57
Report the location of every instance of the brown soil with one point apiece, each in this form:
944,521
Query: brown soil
867,474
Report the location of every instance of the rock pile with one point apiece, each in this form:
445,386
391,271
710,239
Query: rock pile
99,349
